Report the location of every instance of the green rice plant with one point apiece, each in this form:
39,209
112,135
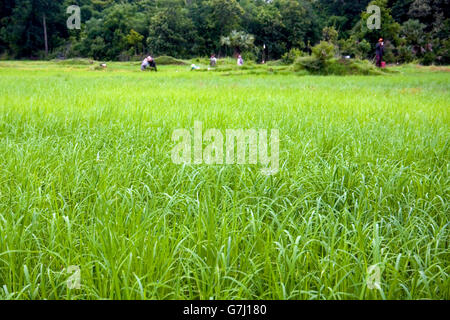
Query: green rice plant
87,183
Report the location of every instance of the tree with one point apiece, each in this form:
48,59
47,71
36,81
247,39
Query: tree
330,34
299,22
134,38
172,32
400,10
224,15
389,30
112,29
25,30
268,28
413,32
238,40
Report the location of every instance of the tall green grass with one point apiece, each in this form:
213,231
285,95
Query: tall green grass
87,180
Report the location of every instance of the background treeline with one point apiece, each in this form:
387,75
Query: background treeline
414,30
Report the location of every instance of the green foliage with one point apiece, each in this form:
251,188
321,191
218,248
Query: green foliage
330,34
413,32
389,30
168,60
249,56
239,41
134,38
292,55
333,66
323,51
310,64
344,67
443,54
127,30
172,32
355,48
428,58
405,54
323,61
317,63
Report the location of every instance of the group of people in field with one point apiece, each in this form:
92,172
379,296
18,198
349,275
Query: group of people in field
149,62
213,61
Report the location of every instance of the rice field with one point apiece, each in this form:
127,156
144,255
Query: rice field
93,207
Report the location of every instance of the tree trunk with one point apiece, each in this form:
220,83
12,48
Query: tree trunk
45,35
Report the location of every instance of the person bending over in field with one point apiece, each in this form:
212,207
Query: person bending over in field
148,62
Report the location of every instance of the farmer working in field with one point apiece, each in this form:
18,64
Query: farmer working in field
148,63
213,61
379,50
240,61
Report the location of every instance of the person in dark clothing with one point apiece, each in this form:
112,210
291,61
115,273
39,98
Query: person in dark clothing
152,64
148,63
379,50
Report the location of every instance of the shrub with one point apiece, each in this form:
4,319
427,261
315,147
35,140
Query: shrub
323,51
344,67
249,56
355,48
389,49
334,66
309,63
405,54
291,56
168,60
428,58
443,55
317,63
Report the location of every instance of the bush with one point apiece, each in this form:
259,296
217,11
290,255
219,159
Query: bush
405,54
317,63
291,56
323,51
389,49
334,66
309,63
428,58
343,67
249,56
355,48
443,54
168,60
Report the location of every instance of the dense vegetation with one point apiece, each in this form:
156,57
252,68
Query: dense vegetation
415,30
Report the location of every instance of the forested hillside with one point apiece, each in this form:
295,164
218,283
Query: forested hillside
127,29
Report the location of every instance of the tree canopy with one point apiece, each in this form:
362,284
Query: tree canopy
128,29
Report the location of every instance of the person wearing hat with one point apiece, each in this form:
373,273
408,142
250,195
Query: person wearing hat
379,51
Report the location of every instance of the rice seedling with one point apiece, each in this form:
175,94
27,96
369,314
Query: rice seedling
87,181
